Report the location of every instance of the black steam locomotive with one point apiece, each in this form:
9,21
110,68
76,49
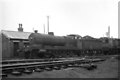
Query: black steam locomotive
50,46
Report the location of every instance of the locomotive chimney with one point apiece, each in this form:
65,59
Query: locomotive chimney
36,31
20,29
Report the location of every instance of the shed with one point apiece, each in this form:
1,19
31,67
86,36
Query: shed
13,41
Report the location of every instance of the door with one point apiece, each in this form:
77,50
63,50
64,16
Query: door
16,47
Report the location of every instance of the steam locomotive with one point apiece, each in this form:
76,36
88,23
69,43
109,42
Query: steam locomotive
50,46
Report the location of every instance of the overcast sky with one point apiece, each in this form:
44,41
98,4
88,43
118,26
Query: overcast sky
83,17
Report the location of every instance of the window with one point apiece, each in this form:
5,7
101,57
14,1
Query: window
26,44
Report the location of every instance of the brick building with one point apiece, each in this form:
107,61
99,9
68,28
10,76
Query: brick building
12,41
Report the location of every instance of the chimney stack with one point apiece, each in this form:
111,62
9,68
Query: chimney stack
20,29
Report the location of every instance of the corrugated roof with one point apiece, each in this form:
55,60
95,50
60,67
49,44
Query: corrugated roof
16,34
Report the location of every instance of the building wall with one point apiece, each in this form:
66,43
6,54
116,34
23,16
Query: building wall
6,47
0,46
11,49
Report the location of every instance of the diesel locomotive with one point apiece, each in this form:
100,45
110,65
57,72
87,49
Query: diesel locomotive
50,46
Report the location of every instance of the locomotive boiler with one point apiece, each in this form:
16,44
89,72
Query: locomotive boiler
50,40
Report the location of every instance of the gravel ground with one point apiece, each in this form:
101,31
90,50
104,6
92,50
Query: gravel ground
106,69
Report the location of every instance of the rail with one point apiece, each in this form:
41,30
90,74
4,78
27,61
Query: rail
46,63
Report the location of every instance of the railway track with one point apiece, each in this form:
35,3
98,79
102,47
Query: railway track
17,67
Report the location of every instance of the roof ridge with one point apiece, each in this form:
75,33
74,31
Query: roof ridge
14,31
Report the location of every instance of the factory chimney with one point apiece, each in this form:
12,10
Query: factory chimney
108,31
44,28
20,29
48,23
